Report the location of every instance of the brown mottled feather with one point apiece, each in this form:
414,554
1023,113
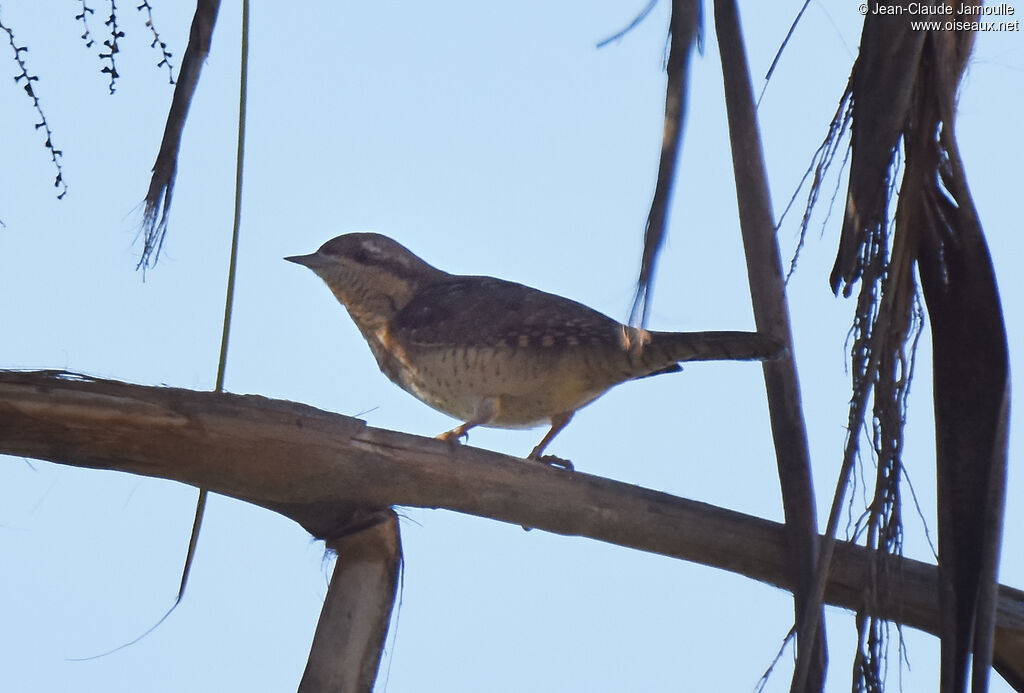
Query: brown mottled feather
500,312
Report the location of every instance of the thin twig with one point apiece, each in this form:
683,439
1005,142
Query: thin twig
632,25
778,53
229,299
165,55
83,18
56,155
112,47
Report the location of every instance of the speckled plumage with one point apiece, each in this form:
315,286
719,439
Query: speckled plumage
492,352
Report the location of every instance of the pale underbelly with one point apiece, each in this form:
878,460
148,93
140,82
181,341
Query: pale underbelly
514,388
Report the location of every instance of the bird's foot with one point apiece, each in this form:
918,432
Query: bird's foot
553,461
454,437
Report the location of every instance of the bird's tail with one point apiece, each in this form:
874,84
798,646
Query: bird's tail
673,347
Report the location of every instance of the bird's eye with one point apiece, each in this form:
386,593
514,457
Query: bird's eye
361,255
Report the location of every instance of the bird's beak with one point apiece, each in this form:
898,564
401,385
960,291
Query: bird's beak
312,260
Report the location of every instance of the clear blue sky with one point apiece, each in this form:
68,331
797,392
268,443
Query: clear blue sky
490,141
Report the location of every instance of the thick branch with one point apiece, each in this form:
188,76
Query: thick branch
354,621
771,315
319,468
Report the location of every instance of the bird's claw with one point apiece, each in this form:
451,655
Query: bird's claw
554,461
454,438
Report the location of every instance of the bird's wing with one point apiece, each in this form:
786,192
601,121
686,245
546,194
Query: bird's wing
484,311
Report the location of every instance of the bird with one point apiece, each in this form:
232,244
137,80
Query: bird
494,353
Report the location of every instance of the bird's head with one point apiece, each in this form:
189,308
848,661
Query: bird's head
372,275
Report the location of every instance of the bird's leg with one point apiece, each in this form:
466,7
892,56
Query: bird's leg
455,436
485,412
558,422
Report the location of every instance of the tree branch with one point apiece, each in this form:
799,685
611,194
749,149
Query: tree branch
161,185
771,316
322,469
353,626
